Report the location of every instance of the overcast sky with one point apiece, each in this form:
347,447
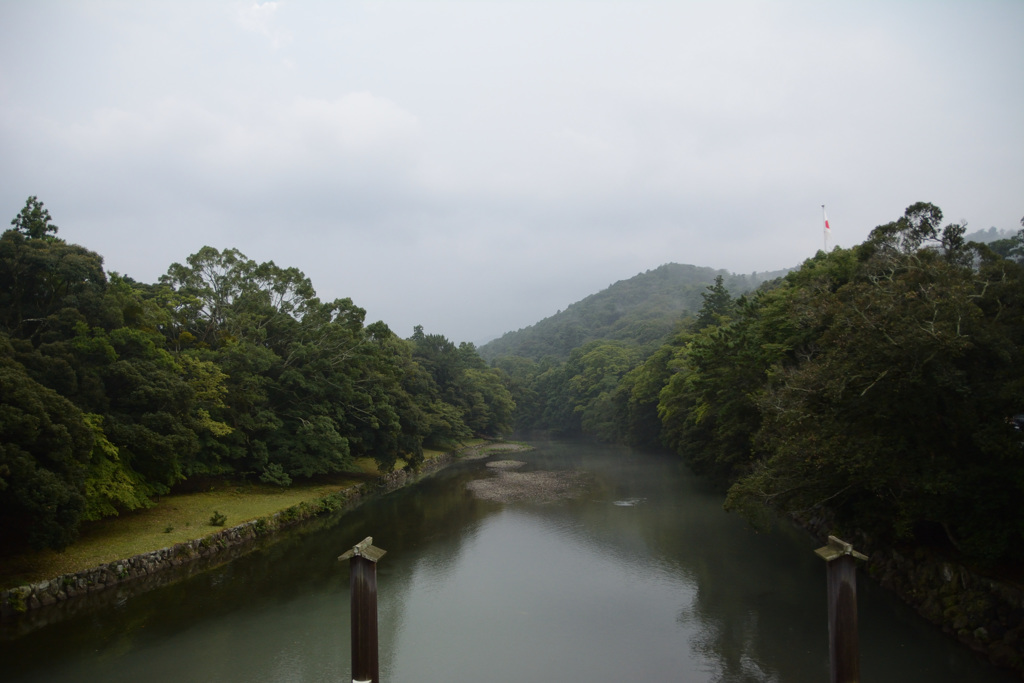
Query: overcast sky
476,166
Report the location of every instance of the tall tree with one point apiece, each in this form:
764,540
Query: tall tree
718,304
46,285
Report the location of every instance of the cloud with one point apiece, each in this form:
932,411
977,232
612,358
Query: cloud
350,142
260,18
358,124
463,164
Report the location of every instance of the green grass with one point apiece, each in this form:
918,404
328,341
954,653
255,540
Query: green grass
174,519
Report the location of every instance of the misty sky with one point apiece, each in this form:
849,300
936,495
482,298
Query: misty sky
476,166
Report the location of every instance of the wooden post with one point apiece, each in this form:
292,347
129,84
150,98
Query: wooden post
364,557
843,642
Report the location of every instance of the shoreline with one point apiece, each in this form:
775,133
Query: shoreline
32,605
982,613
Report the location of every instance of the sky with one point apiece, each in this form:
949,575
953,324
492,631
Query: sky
475,167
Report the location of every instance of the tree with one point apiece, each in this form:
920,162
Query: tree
232,296
110,486
46,285
718,304
33,221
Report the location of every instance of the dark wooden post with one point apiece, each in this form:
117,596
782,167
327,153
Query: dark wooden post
843,642
364,556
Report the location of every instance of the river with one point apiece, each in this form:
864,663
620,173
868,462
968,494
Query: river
641,576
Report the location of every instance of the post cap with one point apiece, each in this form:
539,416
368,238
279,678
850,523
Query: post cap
836,548
365,549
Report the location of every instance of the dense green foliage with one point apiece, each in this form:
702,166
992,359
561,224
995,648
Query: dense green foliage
114,391
876,382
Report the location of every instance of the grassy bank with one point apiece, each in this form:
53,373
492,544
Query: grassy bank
175,519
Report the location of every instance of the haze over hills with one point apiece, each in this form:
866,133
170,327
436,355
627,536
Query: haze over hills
644,309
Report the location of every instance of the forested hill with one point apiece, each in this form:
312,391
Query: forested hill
644,309
876,385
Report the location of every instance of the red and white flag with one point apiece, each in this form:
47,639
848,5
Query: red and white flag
828,228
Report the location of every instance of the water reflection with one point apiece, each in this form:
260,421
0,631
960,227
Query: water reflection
666,587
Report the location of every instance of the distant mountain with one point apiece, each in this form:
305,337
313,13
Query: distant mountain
989,236
645,309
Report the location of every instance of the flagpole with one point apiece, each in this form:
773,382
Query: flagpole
826,230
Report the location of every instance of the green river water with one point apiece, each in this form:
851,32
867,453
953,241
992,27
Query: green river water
641,576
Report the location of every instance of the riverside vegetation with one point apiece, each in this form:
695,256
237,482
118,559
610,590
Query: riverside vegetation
176,518
186,516
133,551
872,390
878,383
115,393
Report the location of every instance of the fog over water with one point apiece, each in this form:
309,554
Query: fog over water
641,575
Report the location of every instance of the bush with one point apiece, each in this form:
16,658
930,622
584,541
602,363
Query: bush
275,474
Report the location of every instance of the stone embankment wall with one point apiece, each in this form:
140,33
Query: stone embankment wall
984,614
159,567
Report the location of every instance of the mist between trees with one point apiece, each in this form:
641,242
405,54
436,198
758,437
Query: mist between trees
879,382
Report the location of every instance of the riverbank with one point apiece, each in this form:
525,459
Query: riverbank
176,518
153,563
982,613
